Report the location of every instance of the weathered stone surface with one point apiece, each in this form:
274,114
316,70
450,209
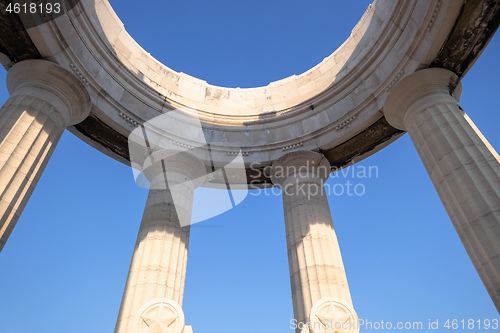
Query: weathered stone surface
377,134
99,132
474,26
29,132
463,166
45,98
158,268
315,262
15,42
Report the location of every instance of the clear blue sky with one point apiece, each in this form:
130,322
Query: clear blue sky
64,268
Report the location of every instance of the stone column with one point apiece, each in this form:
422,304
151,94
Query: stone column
462,165
45,99
316,268
154,290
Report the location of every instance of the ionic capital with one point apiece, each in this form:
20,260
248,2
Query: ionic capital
299,167
419,91
53,84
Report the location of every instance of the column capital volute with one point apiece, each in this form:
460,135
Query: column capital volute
419,91
51,83
300,166
178,166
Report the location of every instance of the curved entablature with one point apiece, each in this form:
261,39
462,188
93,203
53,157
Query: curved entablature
321,109
250,103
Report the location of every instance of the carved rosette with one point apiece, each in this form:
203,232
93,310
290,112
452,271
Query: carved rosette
333,315
160,315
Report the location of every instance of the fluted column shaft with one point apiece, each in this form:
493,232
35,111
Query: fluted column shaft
462,165
159,262
315,261
45,99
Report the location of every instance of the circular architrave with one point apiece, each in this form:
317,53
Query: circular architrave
316,111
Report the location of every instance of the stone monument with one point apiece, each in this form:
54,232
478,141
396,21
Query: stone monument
398,72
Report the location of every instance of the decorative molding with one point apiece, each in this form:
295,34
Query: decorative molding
79,74
242,121
128,119
346,122
396,80
291,147
434,15
236,153
183,145
363,18
266,115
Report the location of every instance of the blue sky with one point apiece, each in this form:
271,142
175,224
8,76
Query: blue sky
65,265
